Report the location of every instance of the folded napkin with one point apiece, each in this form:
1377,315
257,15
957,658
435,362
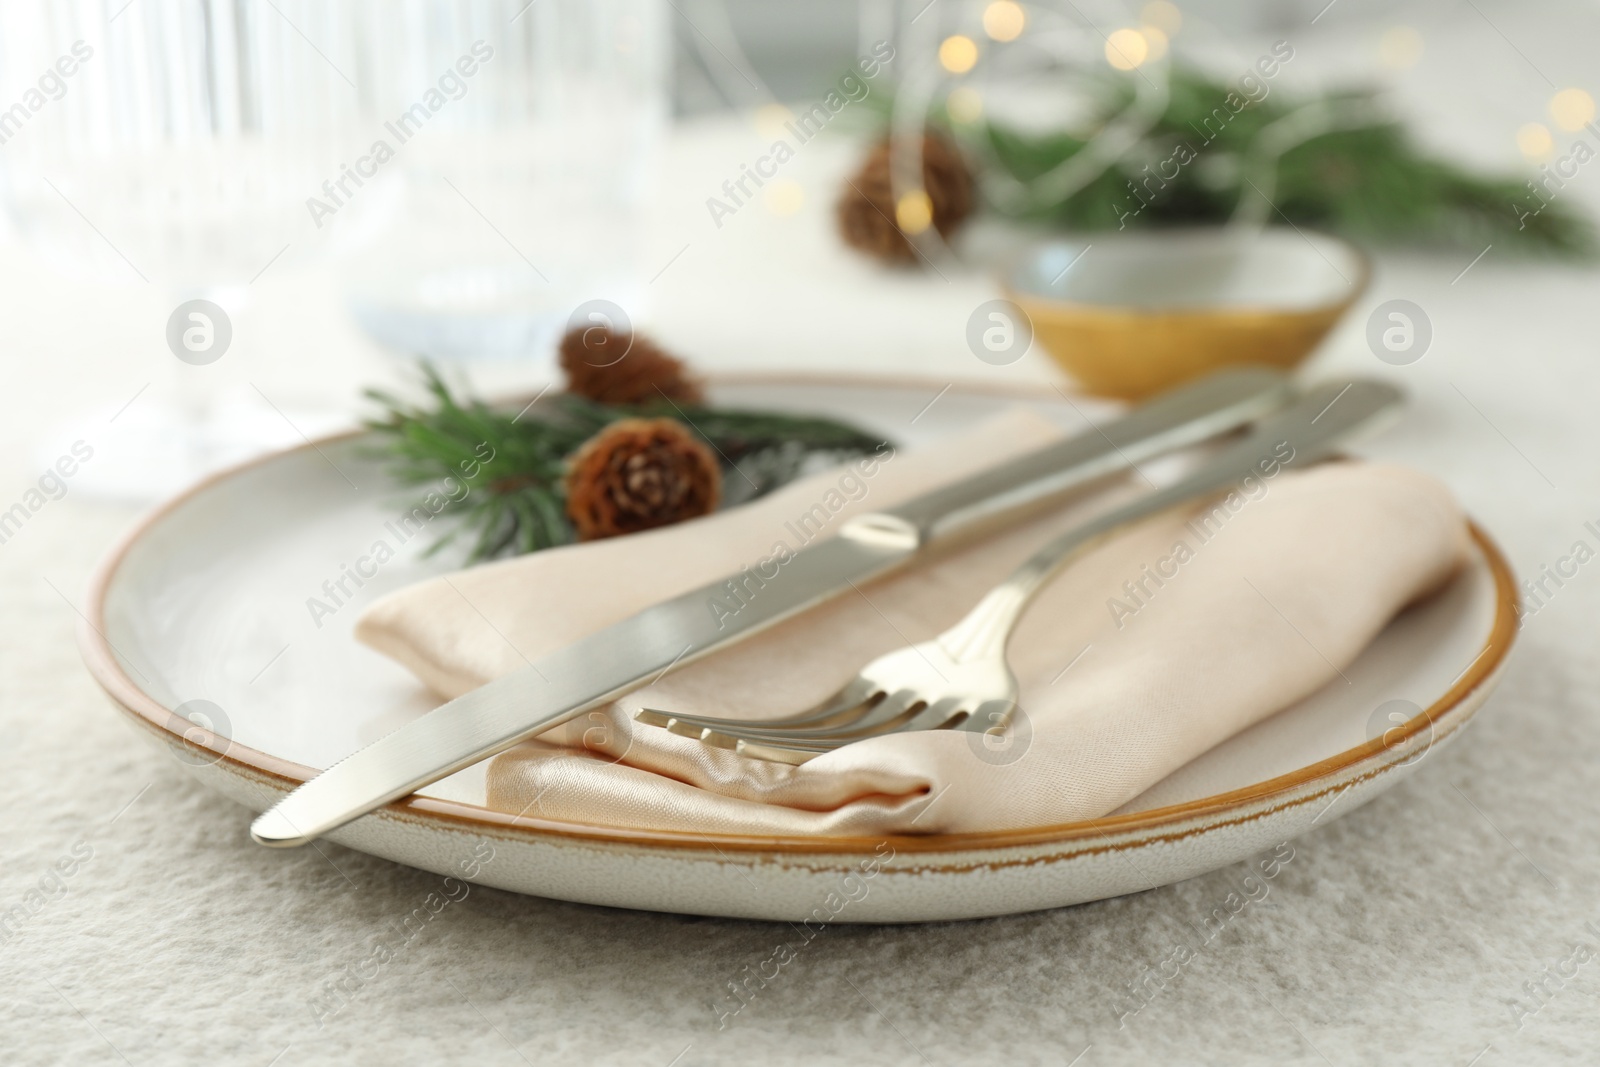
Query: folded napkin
1141,655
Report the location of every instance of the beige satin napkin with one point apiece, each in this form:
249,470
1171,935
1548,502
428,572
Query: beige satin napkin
1140,656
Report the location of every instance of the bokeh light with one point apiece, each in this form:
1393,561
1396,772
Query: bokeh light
1400,47
1572,109
770,119
1156,39
783,197
1004,20
914,212
1535,142
1163,15
1126,49
964,105
958,54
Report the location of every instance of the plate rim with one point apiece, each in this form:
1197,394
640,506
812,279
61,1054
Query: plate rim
242,761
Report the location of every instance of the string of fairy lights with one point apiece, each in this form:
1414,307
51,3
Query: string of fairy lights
1141,46
1145,45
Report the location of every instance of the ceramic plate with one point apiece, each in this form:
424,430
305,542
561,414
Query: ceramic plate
203,607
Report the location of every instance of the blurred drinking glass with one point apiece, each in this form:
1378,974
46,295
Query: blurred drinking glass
174,143
527,134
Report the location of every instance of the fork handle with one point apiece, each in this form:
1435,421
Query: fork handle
1315,427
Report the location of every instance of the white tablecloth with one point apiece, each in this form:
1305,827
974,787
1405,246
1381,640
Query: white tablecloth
1436,925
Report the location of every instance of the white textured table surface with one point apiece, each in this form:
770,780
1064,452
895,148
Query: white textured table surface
1453,921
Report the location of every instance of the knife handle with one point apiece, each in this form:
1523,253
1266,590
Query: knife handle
1211,406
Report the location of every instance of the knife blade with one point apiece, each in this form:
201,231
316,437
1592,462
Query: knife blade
635,651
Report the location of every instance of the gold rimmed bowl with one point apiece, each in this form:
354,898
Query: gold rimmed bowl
1129,315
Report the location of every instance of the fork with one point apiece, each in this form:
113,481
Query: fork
961,680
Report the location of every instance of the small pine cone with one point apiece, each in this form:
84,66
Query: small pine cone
866,209
624,368
637,474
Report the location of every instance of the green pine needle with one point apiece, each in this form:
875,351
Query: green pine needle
1368,182
511,464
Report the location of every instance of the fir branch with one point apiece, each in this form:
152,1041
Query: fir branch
512,464
1369,182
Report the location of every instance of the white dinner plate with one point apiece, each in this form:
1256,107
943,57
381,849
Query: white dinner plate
203,607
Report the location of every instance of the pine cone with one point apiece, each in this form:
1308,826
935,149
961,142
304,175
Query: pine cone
866,208
637,474
624,368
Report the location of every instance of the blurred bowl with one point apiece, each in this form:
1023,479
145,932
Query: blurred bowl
1131,314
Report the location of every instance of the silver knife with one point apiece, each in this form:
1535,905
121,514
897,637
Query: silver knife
628,654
